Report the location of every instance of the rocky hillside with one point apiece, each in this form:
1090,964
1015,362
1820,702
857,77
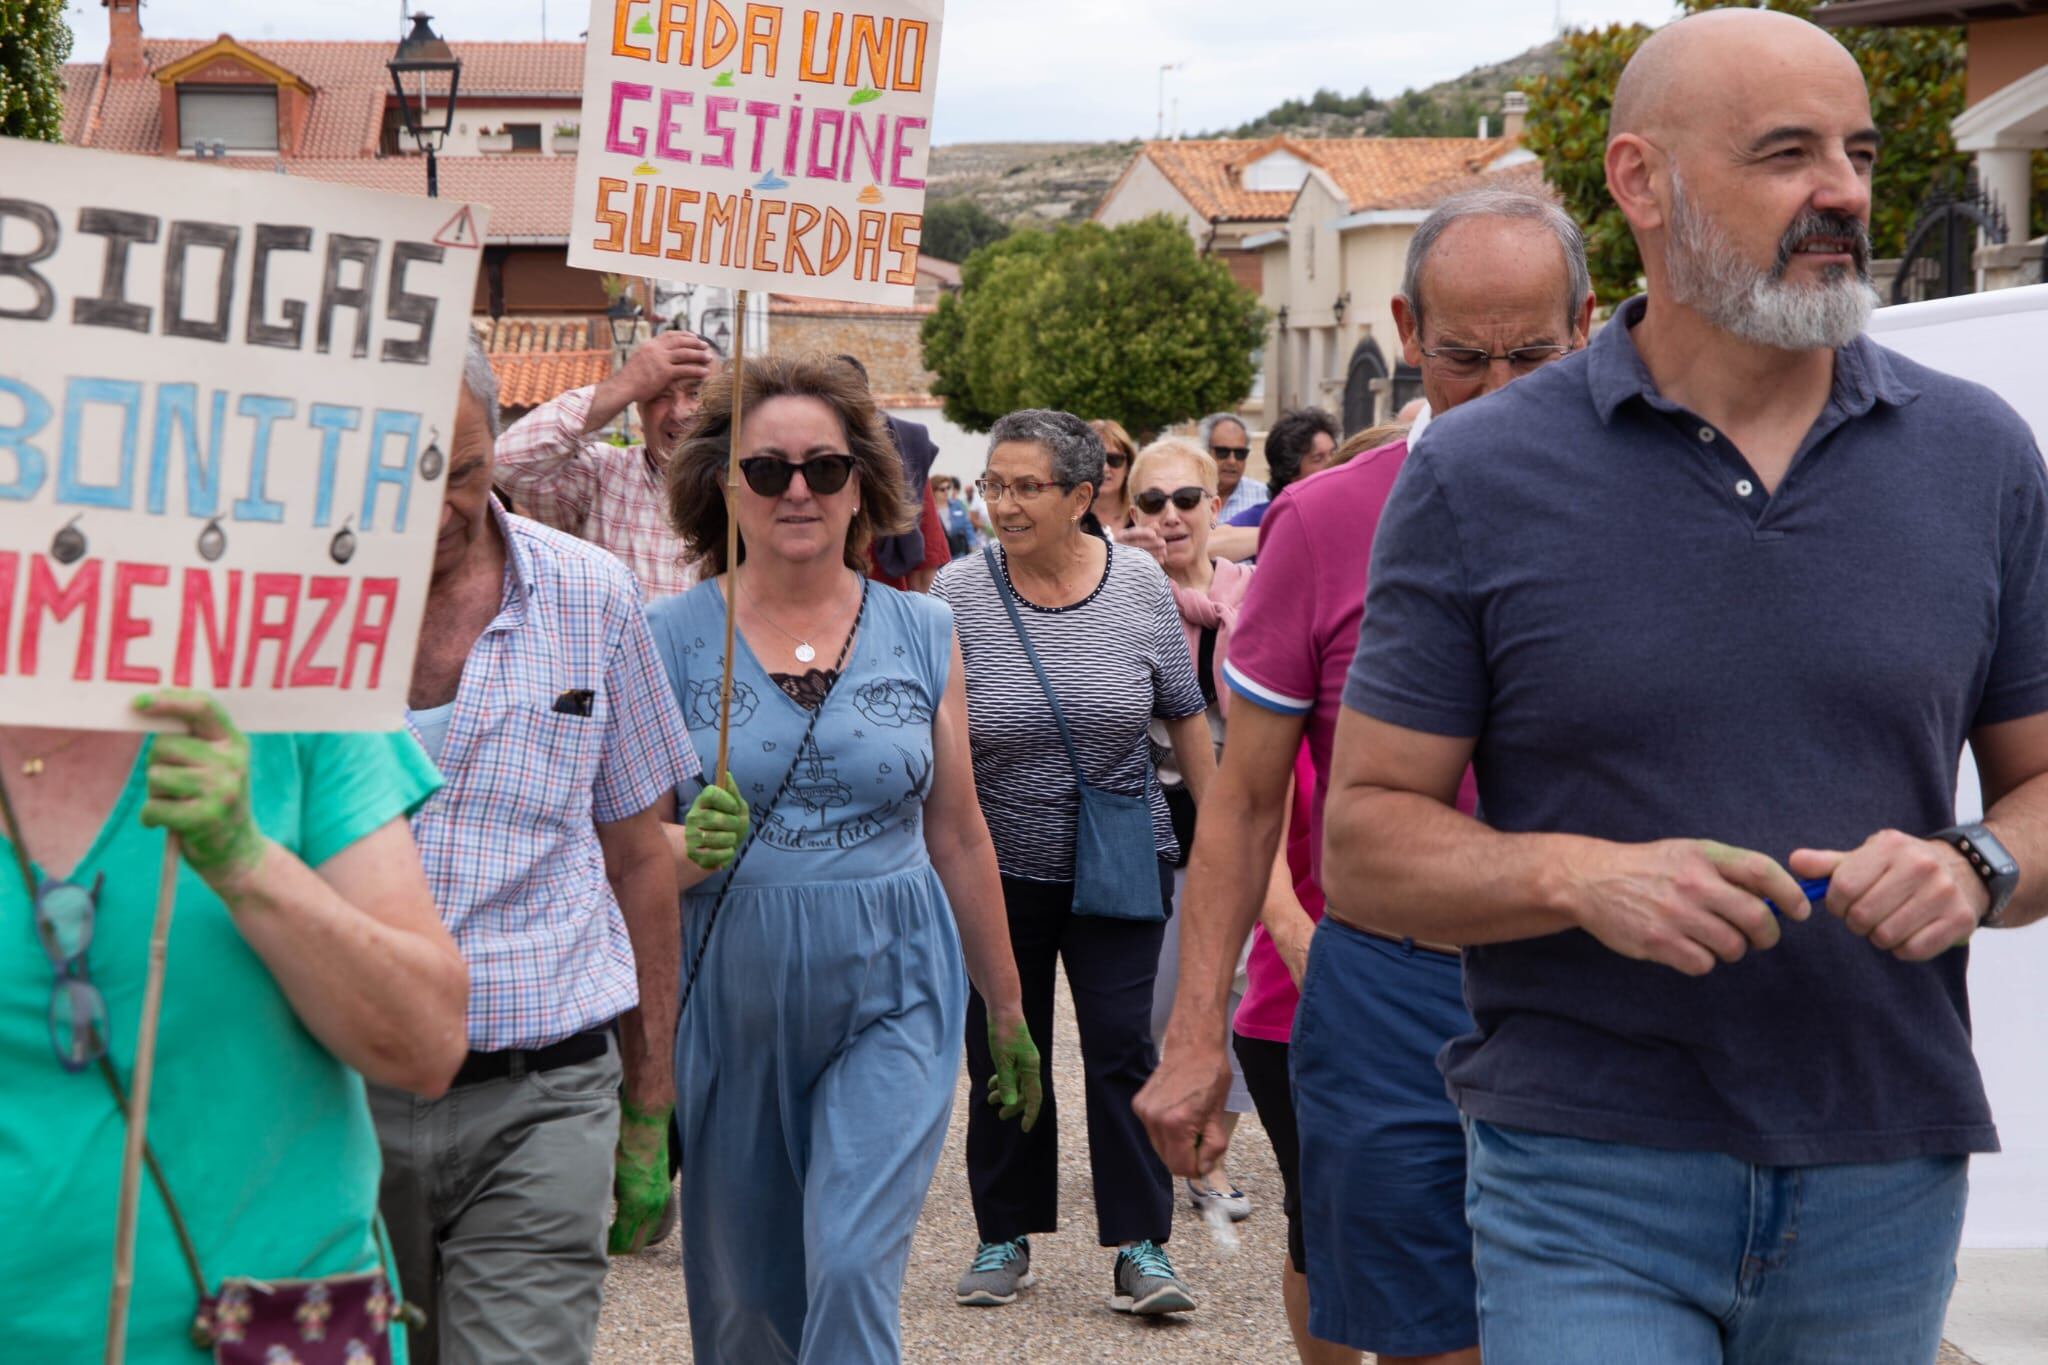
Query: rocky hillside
1054,182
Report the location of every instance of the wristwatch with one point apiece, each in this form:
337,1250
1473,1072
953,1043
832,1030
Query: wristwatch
1992,864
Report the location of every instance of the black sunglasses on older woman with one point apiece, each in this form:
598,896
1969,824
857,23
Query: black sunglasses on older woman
1153,500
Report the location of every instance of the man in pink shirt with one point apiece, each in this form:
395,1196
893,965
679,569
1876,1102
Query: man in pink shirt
1380,1257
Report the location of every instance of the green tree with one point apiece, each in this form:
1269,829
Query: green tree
1125,322
1915,77
955,229
34,41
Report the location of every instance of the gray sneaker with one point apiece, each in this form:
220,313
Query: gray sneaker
1146,1284
998,1271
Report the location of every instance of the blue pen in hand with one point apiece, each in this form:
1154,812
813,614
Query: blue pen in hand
1816,889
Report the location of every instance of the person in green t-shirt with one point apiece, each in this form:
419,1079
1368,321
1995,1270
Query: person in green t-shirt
305,955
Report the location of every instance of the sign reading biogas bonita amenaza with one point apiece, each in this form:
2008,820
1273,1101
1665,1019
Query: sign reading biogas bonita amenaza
226,402
757,146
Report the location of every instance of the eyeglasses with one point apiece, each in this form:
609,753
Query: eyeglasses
1467,362
1116,459
823,474
1024,490
78,1012
1153,500
1237,453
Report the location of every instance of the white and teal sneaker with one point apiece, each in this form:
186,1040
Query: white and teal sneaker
998,1271
1146,1284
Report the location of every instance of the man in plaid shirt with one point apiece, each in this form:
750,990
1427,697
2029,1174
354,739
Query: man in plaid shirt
538,692
613,496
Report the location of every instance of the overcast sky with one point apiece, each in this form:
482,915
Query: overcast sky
1046,69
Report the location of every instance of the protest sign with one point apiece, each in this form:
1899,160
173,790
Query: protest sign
226,405
1995,339
757,146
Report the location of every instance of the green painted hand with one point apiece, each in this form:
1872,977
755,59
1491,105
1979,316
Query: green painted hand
198,784
716,825
639,1176
1017,1087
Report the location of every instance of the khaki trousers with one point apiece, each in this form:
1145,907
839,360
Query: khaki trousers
496,1196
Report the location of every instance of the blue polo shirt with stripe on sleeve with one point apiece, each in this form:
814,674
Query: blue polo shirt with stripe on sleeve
1591,582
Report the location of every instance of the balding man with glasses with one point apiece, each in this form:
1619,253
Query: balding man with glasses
1380,1258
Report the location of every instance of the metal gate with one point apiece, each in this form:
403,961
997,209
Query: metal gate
1939,259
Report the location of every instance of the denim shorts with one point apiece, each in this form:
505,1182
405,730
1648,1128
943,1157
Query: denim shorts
1382,1150
1603,1251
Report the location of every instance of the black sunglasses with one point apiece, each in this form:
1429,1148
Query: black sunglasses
1153,500
823,474
1116,459
1238,453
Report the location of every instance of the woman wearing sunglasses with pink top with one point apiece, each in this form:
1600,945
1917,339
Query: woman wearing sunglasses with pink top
1174,495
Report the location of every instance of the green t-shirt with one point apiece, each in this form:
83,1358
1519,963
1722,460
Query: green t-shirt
264,1137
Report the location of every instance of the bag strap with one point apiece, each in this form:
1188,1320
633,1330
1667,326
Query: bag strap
754,826
999,575
106,1066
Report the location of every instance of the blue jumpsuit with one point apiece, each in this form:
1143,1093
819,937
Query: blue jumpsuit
816,1060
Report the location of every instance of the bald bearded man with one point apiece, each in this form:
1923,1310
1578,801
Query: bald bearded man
1710,605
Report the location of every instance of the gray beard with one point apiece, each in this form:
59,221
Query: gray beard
1710,277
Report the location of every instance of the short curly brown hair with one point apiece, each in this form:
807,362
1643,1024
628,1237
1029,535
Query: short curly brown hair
696,472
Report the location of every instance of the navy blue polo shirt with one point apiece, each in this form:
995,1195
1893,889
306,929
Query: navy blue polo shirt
1591,582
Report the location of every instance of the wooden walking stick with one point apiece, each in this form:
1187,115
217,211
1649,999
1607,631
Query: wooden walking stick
732,528
138,1108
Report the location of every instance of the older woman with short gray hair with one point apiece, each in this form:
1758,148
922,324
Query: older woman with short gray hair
1101,621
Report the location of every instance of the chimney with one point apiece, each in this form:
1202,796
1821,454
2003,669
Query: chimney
1514,112
125,60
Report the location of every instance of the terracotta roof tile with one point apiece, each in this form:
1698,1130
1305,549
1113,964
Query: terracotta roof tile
1203,173
791,305
526,381
1369,170
529,336
1526,176
78,91
529,69
1374,172
345,121
349,80
131,118
529,195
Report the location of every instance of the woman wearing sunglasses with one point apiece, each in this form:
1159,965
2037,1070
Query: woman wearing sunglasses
305,955
1072,646
1174,495
1112,506
824,988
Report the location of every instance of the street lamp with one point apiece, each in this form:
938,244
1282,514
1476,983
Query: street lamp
436,74
718,332
624,318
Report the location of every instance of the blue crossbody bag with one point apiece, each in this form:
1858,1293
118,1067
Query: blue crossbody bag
1116,865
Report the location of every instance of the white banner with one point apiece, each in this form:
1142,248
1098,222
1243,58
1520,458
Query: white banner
226,401
1998,339
757,146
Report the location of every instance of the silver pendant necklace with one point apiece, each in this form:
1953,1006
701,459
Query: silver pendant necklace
805,651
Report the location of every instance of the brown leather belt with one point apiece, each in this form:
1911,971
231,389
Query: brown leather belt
1441,949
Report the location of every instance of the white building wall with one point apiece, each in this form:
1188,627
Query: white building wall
1145,192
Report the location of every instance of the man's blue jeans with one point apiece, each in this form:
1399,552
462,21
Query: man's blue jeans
1601,1251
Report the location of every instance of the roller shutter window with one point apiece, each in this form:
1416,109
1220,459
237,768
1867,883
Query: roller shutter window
244,119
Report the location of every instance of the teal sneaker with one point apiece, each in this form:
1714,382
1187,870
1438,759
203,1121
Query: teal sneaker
998,1271
1146,1284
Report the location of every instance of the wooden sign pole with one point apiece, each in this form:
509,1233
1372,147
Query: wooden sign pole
138,1109
732,528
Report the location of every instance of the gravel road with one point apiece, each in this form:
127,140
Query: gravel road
1064,1319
